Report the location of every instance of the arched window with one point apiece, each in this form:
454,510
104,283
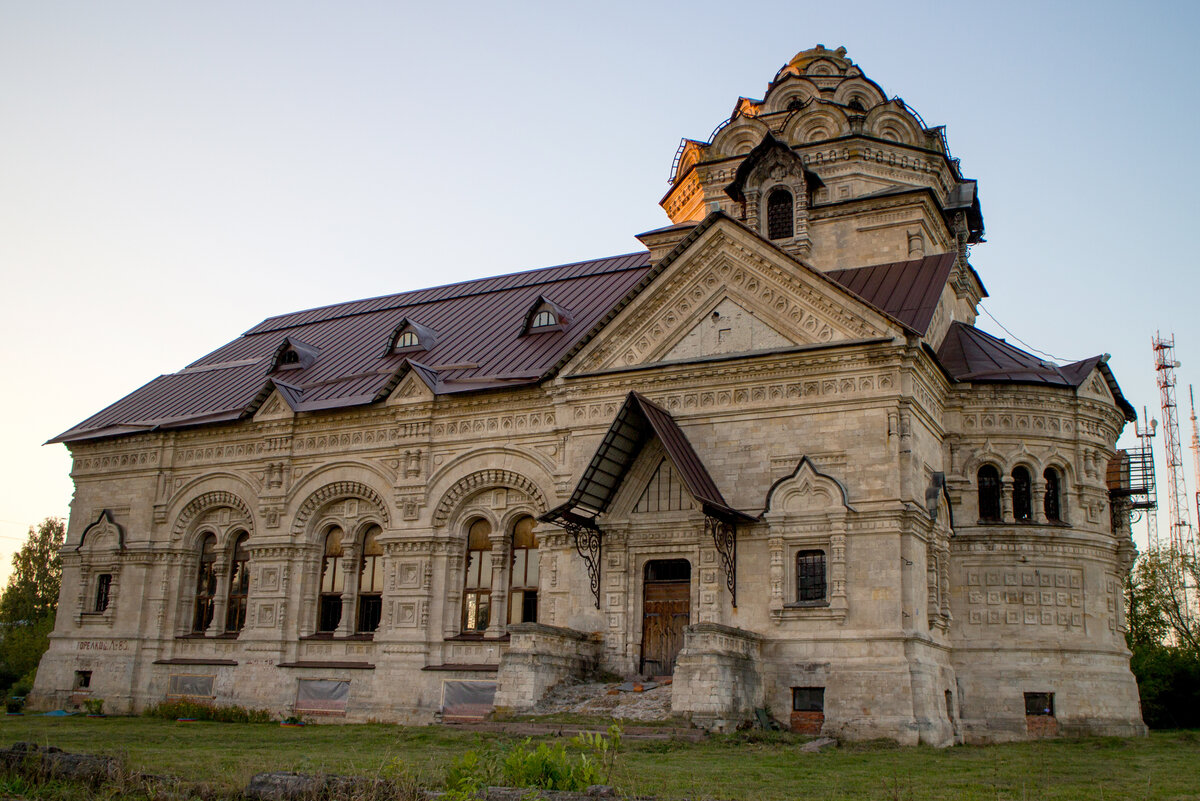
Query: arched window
206,584
544,318
408,339
1053,502
329,602
239,585
779,214
523,575
810,576
370,582
1022,495
989,493
477,592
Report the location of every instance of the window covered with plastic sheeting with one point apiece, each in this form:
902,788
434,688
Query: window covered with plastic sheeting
467,699
322,695
185,685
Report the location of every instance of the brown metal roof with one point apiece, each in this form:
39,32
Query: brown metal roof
907,290
969,354
634,424
480,344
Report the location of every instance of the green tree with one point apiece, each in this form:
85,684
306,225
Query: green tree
1164,636
28,603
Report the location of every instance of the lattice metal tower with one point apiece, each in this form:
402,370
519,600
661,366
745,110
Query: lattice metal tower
1178,501
1195,453
1143,494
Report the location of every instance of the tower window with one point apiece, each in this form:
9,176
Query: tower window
779,214
988,480
103,591
1053,502
1022,495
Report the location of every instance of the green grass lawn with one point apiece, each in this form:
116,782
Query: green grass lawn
1165,765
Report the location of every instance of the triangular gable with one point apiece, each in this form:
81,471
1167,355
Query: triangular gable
664,492
636,422
720,259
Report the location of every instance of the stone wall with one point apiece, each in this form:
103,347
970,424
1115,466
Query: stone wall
717,680
538,658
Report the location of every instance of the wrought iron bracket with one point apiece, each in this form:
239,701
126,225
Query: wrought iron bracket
587,543
724,536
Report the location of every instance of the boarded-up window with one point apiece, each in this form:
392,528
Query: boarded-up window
184,685
467,699
322,695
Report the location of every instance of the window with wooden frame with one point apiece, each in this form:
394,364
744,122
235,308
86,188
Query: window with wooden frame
810,576
1052,503
239,585
103,592
370,582
543,318
333,580
206,584
1022,495
988,482
523,573
779,214
477,589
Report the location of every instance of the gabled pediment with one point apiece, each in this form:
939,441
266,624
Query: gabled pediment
275,407
727,268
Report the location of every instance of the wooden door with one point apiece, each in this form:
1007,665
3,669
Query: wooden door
666,609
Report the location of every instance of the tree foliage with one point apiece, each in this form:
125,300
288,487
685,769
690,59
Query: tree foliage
28,603
1164,636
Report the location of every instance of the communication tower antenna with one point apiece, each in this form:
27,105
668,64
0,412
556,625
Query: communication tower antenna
1142,492
1165,363
1195,452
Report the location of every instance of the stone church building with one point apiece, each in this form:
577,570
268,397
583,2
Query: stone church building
769,455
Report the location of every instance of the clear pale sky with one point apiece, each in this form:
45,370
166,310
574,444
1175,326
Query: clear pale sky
172,173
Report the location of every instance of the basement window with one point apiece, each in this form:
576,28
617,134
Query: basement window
1039,704
808,699
83,679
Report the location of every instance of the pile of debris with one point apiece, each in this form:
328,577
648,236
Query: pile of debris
634,701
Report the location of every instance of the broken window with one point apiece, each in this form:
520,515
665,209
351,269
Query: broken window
370,582
989,494
1039,704
206,584
239,585
810,576
329,601
808,699
1022,495
523,575
83,679
477,594
103,591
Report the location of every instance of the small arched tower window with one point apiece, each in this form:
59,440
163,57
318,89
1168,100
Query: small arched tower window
477,592
370,582
329,600
779,214
1022,495
988,480
206,584
239,585
408,339
544,318
523,578
1052,504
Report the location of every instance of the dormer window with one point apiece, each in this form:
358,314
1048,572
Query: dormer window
292,354
545,315
410,336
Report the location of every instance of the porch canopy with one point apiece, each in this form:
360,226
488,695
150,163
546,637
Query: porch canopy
639,420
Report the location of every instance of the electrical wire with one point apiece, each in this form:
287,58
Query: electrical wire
1023,342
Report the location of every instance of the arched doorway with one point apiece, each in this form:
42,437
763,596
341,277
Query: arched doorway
666,609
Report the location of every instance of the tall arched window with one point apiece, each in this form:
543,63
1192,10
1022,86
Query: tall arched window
239,585
779,214
329,602
477,592
523,576
1022,495
206,584
989,493
370,582
1053,502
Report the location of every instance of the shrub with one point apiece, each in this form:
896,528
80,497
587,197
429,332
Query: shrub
94,706
1169,685
545,766
173,710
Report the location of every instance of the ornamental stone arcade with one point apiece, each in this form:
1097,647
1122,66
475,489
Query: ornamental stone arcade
769,455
